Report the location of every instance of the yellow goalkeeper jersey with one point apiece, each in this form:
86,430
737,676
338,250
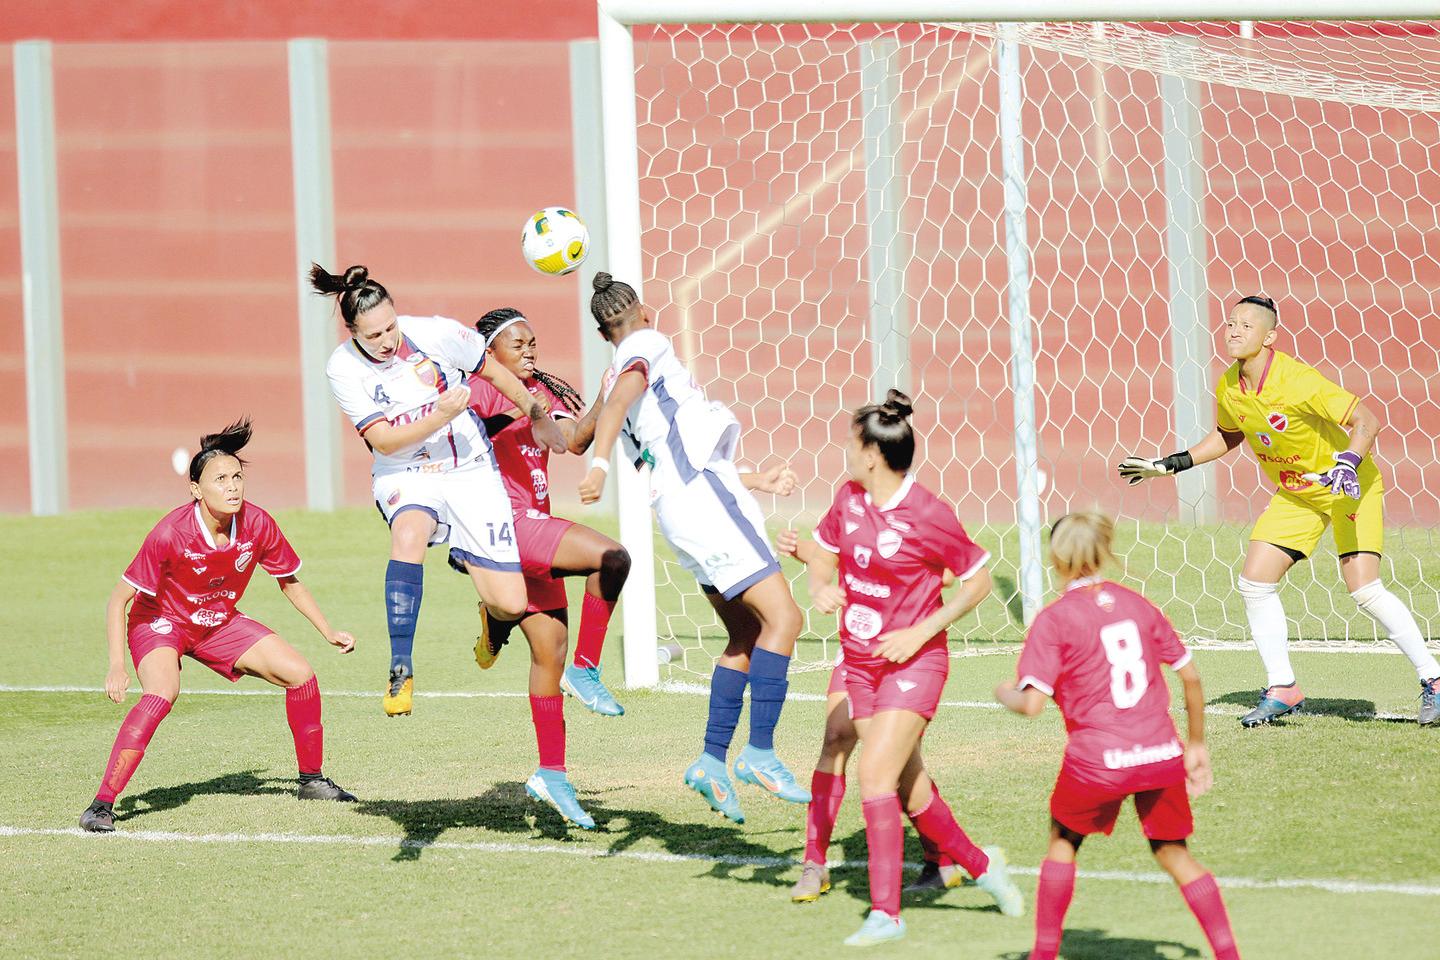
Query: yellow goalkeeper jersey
1293,418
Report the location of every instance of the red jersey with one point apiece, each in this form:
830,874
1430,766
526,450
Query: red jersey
891,560
524,464
1097,650
182,576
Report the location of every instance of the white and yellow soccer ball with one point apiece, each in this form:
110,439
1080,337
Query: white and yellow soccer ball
555,241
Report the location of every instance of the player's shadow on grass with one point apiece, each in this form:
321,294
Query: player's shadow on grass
726,848
502,808
1086,944
1358,711
855,881
244,783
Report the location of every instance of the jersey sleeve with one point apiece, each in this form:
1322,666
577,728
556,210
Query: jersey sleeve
1167,642
273,551
147,570
827,531
950,546
1224,417
640,351
485,400
448,341
1324,399
362,409
1040,661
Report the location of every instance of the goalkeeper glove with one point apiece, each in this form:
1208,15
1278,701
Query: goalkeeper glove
1343,478
1134,469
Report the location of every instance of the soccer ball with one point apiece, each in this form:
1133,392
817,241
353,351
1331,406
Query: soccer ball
555,241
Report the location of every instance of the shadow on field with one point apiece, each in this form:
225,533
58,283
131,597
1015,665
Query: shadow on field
502,809
855,881
1359,711
244,783
1098,945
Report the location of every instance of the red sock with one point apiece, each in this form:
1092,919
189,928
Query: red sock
936,821
885,836
548,714
932,852
302,709
130,743
594,620
1203,898
1052,899
826,792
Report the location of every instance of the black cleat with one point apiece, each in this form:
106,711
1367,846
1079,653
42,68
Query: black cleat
99,817
323,788
935,877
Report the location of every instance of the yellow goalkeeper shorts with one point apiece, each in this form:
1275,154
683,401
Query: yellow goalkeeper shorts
1298,522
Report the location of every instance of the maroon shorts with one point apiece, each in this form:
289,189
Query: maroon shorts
914,685
538,536
837,679
216,647
1090,808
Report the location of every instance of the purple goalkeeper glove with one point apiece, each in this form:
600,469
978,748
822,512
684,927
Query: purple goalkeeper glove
1343,478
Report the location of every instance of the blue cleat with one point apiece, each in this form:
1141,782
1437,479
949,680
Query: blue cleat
1275,702
764,770
583,683
553,787
708,777
879,927
996,882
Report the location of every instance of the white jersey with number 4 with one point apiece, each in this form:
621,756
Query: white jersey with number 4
435,354
672,426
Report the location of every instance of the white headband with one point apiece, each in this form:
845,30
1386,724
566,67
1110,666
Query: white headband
496,332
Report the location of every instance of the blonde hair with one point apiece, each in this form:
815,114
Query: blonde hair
1080,544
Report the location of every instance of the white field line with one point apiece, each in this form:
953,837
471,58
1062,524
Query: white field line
644,856
668,686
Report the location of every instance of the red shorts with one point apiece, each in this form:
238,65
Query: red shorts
216,647
1090,808
837,679
914,685
538,536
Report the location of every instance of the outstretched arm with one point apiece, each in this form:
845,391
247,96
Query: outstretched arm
779,480
1216,444
582,432
1028,702
301,599
628,388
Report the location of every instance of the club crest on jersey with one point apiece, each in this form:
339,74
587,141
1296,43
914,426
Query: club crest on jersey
1278,421
1263,438
862,556
888,543
861,622
243,561
1105,600
161,625
381,398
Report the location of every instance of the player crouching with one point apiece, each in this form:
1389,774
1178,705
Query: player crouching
1097,650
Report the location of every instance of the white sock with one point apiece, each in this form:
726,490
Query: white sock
1394,618
1269,630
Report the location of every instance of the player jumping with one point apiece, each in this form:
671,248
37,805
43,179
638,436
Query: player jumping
1097,650
1313,440
187,578
712,522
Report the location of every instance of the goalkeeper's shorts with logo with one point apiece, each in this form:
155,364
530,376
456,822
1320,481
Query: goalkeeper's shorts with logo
1297,521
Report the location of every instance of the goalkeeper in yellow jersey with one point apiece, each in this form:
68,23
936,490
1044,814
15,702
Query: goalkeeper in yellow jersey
1313,439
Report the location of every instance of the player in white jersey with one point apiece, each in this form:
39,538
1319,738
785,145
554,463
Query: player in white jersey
716,529
401,381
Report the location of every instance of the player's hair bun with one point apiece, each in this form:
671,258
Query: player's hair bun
355,277
897,406
602,282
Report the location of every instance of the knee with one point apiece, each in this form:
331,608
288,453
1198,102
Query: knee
296,674
615,565
839,740
169,692
507,606
789,621
1255,592
1368,593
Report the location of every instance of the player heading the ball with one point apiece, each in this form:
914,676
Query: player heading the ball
401,381
1313,439
1097,651
190,573
710,519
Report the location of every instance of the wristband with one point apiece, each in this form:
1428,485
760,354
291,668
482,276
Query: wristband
600,463
1179,461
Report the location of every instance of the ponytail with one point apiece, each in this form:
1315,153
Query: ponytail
228,442
354,290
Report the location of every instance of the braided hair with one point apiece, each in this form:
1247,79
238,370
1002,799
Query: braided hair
611,301
886,426
354,290
487,325
228,442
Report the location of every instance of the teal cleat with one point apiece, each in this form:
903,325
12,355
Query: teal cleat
708,777
996,882
583,683
553,787
764,770
879,927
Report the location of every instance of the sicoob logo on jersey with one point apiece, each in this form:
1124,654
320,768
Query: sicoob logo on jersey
1278,421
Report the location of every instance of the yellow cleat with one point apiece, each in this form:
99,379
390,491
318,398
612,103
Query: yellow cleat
485,655
400,694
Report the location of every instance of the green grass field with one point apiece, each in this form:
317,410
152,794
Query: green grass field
1321,830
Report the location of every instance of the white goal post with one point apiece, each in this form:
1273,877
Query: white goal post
889,107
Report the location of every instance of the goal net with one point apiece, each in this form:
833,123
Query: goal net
824,215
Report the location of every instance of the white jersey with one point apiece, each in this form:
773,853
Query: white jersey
435,354
671,426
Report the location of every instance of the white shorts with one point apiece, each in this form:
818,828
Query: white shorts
470,507
716,529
